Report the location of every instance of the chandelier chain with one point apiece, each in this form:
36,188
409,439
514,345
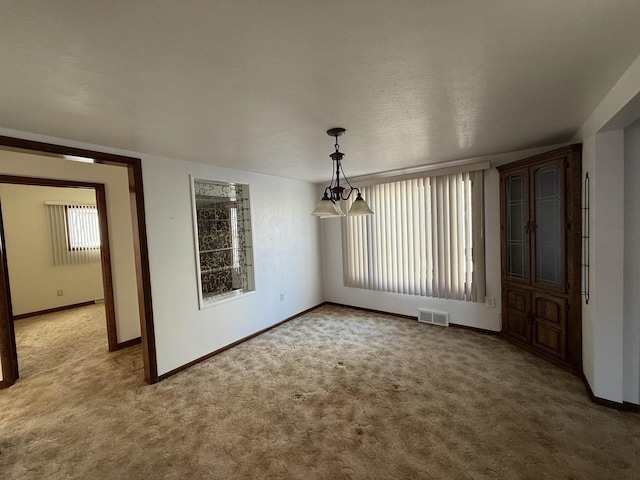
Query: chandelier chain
335,192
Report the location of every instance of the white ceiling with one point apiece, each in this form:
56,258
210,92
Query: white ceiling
254,84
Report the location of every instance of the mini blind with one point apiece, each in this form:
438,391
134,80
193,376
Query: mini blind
426,238
75,233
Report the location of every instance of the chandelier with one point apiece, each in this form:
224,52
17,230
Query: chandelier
329,205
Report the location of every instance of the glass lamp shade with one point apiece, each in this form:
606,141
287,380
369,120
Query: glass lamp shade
326,208
359,207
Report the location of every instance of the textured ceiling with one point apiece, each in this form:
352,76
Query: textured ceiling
254,84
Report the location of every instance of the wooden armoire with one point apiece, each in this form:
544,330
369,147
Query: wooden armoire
541,237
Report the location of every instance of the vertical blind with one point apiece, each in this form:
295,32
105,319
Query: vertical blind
75,233
425,238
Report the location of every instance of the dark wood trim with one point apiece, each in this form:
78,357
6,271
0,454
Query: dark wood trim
8,351
59,150
249,337
371,310
107,278
117,345
134,169
53,310
560,162
475,329
411,317
164,376
45,182
574,149
143,274
624,406
503,229
128,343
105,251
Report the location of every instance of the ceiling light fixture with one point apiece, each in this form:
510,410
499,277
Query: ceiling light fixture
334,193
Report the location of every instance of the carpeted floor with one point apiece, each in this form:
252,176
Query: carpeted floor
336,393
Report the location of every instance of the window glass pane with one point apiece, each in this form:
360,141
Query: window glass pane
223,223
548,233
83,228
516,264
517,239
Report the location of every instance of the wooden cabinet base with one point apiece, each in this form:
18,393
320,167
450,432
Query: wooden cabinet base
540,224
576,370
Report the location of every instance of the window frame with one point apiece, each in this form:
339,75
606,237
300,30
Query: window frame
208,302
69,236
379,252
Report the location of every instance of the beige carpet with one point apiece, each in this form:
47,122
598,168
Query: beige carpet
334,394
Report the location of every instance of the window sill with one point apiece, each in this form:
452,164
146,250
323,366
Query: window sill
224,298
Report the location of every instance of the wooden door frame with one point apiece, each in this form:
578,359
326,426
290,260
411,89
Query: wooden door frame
105,258
8,354
136,198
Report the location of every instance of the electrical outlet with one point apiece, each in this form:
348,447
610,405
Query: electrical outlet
490,301
59,293
282,297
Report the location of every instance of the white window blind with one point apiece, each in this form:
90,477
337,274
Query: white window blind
425,238
75,233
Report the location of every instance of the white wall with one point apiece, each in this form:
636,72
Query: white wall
463,313
631,322
588,320
607,242
33,278
286,242
116,183
286,251
608,357
197,332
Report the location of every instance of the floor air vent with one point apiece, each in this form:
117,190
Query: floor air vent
433,317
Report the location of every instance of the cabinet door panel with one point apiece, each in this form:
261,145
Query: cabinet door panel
515,230
548,252
515,308
549,324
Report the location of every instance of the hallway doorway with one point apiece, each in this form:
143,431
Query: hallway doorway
55,253
126,209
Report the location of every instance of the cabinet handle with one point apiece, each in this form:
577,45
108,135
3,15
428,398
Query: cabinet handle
527,227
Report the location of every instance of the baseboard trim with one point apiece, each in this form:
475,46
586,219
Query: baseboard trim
411,317
475,329
371,310
170,373
128,343
624,406
53,310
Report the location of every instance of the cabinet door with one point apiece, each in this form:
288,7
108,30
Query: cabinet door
548,252
550,324
515,226
516,313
